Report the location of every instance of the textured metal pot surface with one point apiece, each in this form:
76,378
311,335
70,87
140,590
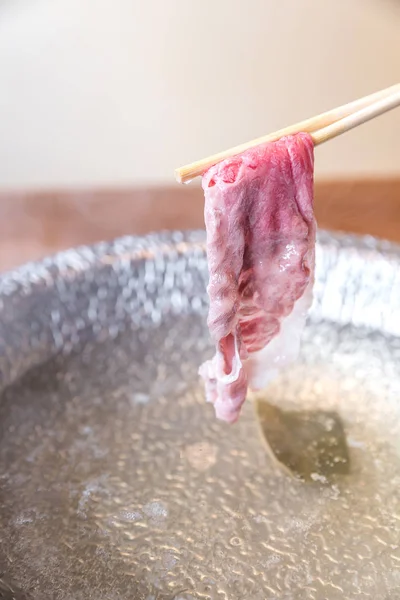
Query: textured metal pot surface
117,482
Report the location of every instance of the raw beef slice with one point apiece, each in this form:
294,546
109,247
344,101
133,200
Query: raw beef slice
260,248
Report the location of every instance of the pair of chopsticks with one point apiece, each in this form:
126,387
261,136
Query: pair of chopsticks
322,128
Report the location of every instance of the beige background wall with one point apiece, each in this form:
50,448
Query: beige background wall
122,91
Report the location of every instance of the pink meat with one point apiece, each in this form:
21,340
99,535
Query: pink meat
260,248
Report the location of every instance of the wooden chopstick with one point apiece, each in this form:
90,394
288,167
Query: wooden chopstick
348,115
358,118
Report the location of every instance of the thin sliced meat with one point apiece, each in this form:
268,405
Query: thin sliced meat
260,248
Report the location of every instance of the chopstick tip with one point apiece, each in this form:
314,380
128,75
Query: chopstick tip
178,175
184,175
